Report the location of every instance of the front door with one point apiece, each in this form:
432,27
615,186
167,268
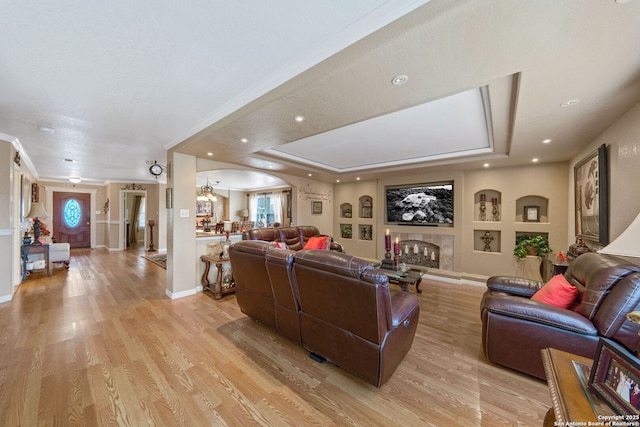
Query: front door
72,219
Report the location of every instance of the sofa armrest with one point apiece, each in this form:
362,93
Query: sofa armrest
402,305
537,312
514,285
335,246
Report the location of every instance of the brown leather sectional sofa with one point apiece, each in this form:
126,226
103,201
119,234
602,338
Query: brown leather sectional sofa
334,305
294,237
515,328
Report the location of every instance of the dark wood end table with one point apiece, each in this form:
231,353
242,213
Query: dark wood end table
570,402
218,289
404,279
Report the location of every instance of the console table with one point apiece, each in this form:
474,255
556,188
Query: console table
31,250
217,288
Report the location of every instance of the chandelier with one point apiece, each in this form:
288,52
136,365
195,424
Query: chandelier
206,192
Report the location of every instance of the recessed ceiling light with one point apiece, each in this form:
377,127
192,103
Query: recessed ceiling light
245,140
570,103
546,141
309,174
47,129
337,180
209,153
400,80
535,160
270,166
299,119
358,179
486,165
75,179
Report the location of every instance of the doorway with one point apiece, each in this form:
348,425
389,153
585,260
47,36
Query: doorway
72,218
134,217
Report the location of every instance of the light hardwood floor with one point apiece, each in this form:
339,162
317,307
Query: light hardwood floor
102,345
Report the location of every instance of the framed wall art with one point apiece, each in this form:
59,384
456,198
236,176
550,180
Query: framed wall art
316,207
204,207
169,198
531,214
591,197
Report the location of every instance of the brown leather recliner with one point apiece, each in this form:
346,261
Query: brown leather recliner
515,328
253,288
269,234
279,264
348,315
291,237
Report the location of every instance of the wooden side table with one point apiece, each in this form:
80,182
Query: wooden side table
570,402
34,249
217,288
552,266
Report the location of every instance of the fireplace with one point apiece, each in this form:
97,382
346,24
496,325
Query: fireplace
439,250
417,252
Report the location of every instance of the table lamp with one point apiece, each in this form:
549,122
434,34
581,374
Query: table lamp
36,212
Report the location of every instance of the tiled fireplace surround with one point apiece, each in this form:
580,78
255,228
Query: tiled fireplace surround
442,241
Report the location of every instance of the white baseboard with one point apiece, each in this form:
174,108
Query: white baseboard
182,294
5,298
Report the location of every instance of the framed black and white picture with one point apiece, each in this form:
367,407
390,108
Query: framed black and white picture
531,214
591,197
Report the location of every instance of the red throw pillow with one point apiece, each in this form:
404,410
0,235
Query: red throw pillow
280,245
317,242
557,292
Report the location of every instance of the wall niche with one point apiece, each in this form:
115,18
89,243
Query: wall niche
532,209
487,205
366,207
346,210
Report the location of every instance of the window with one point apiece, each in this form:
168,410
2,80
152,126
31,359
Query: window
71,213
142,214
265,208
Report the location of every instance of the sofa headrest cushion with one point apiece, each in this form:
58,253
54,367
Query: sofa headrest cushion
318,242
599,274
257,247
557,292
333,262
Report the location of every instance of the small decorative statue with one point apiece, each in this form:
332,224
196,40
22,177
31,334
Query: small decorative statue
483,207
487,238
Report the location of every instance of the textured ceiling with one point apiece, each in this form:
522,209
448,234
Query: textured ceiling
122,82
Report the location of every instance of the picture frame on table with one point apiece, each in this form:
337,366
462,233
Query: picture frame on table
316,207
531,214
592,197
615,377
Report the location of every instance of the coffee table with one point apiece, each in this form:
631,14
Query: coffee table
404,279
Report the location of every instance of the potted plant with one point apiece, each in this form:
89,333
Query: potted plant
346,232
534,245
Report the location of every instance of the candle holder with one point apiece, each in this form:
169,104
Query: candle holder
396,262
386,262
483,207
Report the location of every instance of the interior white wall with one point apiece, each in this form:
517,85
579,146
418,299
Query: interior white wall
182,262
